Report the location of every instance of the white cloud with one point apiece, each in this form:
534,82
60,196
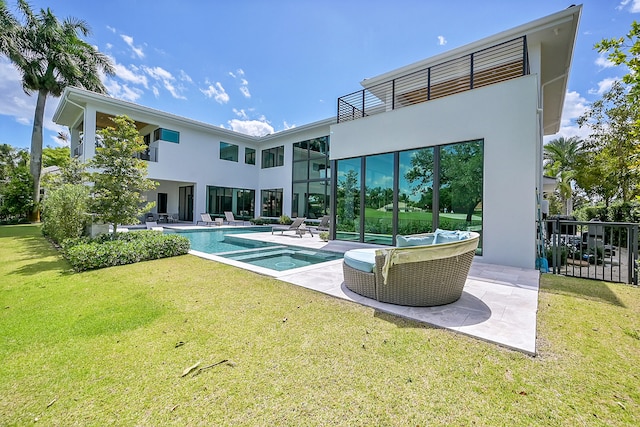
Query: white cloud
574,106
287,125
241,113
245,91
124,92
156,91
185,77
240,72
110,28
166,78
442,41
130,75
108,46
216,92
137,50
158,73
251,127
635,5
604,62
604,86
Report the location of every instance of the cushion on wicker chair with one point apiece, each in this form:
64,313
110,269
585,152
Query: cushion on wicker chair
361,259
406,241
448,236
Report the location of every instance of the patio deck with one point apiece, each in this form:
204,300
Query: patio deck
499,304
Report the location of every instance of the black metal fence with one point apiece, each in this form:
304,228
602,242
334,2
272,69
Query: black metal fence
593,250
484,67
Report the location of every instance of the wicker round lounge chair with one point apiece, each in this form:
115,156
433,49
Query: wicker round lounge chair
425,275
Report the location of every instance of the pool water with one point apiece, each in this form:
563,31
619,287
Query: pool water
214,241
261,254
281,258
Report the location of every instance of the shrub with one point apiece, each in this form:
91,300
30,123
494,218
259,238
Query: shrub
285,220
324,236
126,248
64,212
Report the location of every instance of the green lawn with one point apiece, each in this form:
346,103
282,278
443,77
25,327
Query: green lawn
110,347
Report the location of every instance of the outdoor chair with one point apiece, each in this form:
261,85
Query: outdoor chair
152,225
323,225
232,219
297,225
424,270
205,218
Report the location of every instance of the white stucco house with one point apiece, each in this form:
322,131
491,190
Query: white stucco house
453,141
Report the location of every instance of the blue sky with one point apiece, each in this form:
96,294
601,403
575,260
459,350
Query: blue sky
260,67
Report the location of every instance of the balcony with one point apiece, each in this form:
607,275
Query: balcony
485,67
150,154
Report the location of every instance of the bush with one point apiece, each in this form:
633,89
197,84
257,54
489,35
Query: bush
126,248
285,220
64,212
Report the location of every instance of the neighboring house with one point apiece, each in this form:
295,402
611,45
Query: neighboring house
454,141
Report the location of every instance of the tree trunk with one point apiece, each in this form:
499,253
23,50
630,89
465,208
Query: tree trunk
35,166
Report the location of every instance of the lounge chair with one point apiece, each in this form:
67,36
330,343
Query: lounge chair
152,225
205,218
418,272
232,219
323,225
297,225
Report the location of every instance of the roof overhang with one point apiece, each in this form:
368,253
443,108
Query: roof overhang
74,100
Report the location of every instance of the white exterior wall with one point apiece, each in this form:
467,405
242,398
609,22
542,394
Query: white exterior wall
504,116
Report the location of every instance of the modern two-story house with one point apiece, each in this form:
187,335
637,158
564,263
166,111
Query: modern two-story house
453,141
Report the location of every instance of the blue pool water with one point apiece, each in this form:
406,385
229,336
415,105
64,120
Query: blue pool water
214,241
261,254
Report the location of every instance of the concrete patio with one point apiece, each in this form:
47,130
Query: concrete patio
499,304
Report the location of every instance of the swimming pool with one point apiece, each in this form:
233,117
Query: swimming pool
222,243
214,241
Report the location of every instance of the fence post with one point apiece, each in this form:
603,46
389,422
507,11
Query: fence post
555,239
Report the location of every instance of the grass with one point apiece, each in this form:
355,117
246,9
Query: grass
110,347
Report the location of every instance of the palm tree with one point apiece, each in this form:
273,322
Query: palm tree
560,159
8,25
50,56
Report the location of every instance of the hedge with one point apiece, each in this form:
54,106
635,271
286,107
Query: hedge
127,248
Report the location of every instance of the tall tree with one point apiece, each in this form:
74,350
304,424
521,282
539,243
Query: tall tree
8,27
626,51
560,160
120,178
613,142
56,156
51,55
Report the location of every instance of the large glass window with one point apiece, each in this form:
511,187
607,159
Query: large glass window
273,157
415,189
228,152
440,186
166,135
311,178
237,200
271,202
348,200
461,184
378,190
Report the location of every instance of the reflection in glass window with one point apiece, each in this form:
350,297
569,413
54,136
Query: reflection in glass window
237,200
439,186
273,157
348,199
228,152
271,202
415,188
311,178
249,156
378,212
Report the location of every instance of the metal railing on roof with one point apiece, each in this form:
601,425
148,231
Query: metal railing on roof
488,66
